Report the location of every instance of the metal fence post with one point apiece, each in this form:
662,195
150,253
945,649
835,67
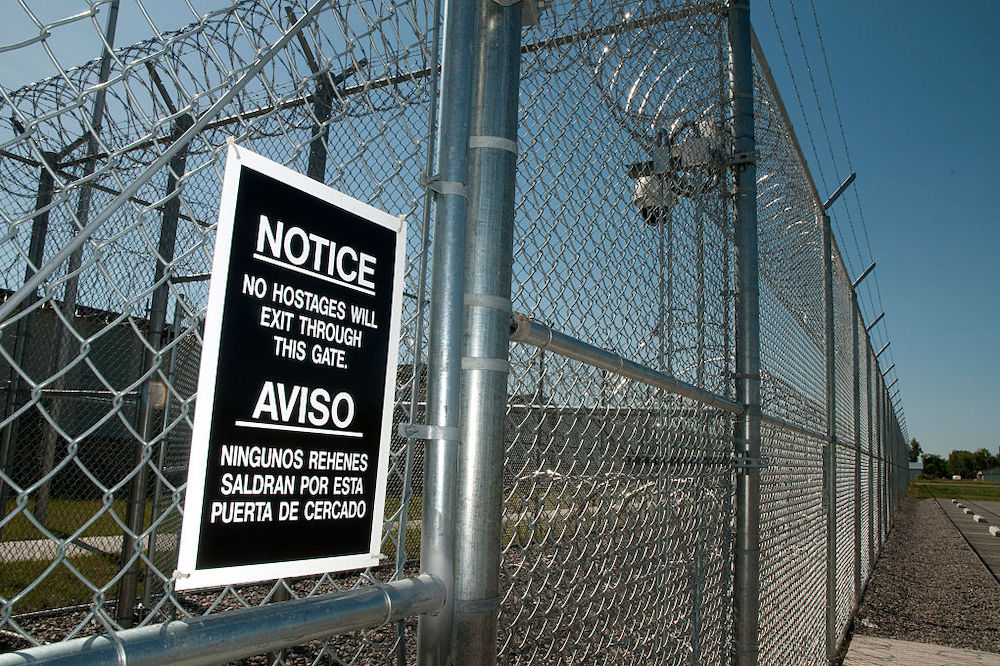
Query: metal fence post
148,423
746,437
485,365
63,338
22,330
880,429
869,404
444,359
856,357
830,450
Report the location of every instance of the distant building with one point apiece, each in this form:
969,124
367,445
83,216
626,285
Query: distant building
916,469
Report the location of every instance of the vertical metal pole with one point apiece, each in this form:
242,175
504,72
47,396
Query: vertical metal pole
699,235
36,254
879,430
444,360
856,354
830,450
418,347
73,269
667,296
869,404
136,514
155,512
746,438
485,364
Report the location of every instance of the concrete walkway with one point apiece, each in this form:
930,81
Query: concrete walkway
974,520
869,651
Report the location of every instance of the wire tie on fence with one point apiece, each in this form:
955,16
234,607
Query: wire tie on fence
498,142
231,142
445,187
375,582
488,301
425,431
748,157
487,364
746,462
477,606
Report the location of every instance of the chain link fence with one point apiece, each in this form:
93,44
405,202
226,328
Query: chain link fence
618,494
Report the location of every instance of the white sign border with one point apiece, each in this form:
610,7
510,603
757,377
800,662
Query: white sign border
188,576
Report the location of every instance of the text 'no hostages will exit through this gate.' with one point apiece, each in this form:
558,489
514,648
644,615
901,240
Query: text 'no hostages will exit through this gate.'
291,433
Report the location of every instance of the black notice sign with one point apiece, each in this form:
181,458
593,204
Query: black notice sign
291,434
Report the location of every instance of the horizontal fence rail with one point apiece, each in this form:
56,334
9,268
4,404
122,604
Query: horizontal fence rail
214,639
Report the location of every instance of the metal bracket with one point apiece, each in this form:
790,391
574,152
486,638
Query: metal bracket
743,158
746,462
425,431
446,187
529,11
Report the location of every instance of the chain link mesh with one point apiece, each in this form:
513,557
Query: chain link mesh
99,400
620,548
618,497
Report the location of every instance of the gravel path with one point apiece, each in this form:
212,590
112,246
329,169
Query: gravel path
929,587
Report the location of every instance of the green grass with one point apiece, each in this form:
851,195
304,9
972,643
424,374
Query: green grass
988,491
60,586
66,517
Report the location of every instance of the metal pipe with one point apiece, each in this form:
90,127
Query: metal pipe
22,329
869,406
886,346
879,428
444,361
872,325
889,368
840,190
485,364
224,637
893,382
155,510
531,332
856,381
792,427
746,435
148,423
63,337
419,320
830,449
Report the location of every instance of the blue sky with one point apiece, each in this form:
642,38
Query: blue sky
919,104
917,90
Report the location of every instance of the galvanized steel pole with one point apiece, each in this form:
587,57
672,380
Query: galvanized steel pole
444,360
856,341
746,438
830,450
879,430
871,449
485,364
